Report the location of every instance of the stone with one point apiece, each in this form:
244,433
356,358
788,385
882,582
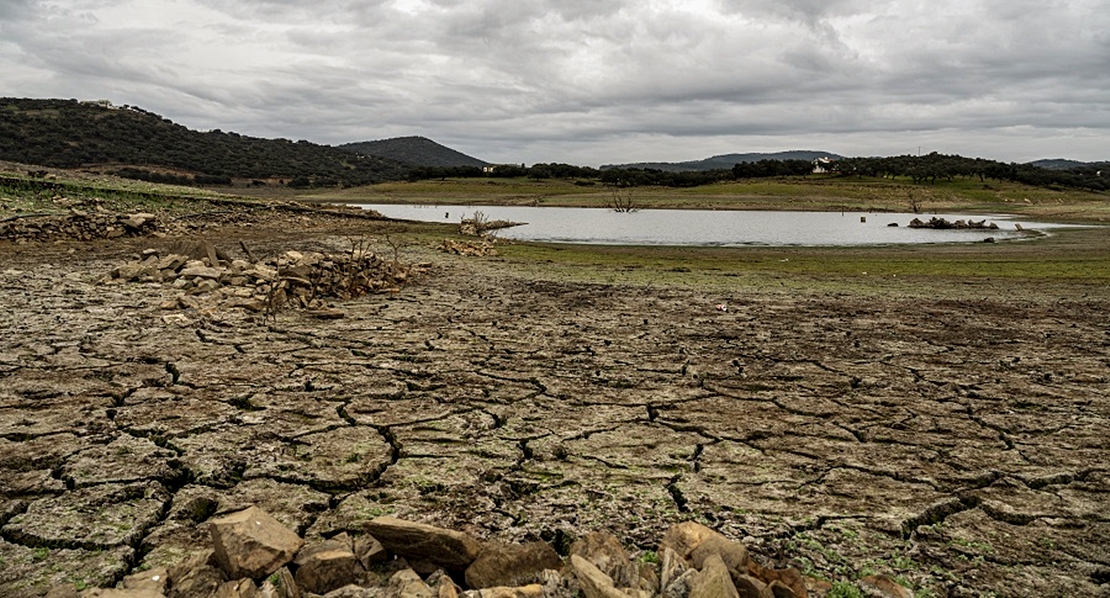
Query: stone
407,584
239,588
511,565
194,576
251,543
881,586
694,541
714,581
201,272
605,551
790,578
672,567
369,551
781,590
327,566
120,593
594,582
280,585
153,580
750,587
452,550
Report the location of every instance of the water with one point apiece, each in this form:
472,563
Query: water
725,228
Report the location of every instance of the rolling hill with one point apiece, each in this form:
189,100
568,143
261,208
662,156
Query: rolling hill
725,161
413,151
73,134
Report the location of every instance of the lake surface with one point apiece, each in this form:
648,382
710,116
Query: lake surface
725,228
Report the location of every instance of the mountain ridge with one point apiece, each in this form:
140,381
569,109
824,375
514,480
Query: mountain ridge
726,161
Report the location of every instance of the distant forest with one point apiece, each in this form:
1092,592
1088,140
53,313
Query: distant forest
72,134
142,145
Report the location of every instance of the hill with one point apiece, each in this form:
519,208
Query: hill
141,144
1064,164
413,151
725,161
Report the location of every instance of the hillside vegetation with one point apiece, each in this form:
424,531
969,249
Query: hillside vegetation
141,144
414,151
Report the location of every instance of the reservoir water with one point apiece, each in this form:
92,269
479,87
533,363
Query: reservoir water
715,227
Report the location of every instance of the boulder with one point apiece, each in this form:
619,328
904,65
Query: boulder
714,581
452,550
593,581
750,587
251,543
696,542
153,580
407,584
195,576
239,588
327,566
511,565
605,552
280,585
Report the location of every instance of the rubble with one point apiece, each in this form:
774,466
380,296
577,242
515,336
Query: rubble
257,557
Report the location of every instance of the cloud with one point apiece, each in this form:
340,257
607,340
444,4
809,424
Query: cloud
540,80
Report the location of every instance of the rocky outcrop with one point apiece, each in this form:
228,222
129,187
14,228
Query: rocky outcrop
254,556
942,223
80,225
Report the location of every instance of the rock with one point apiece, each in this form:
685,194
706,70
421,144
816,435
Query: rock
240,588
120,593
515,565
452,550
605,552
696,542
369,551
65,590
750,587
789,578
407,584
250,543
194,576
327,566
201,272
594,582
714,580
280,585
673,566
781,590
881,586
153,580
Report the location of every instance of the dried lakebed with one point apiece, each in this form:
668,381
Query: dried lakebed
959,444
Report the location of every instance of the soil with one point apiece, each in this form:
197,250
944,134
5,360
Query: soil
955,440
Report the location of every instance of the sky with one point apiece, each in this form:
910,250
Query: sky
591,82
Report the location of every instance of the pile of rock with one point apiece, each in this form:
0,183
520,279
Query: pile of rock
255,556
79,225
467,248
293,279
942,223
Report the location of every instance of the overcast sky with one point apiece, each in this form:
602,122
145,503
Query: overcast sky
591,81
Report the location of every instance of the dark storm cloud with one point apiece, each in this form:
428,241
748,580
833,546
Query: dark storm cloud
532,80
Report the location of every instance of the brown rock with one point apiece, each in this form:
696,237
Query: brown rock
327,566
120,593
407,584
594,582
369,551
194,576
154,580
881,586
790,578
511,565
240,588
64,590
694,541
750,587
605,552
250,543
280,585
714,581
452,550
781,590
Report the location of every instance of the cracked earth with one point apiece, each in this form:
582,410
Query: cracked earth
958,443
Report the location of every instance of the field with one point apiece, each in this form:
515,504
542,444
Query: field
936,414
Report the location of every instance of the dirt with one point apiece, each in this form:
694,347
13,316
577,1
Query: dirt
958,443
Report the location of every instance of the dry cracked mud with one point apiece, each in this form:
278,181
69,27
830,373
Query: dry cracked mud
960,444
